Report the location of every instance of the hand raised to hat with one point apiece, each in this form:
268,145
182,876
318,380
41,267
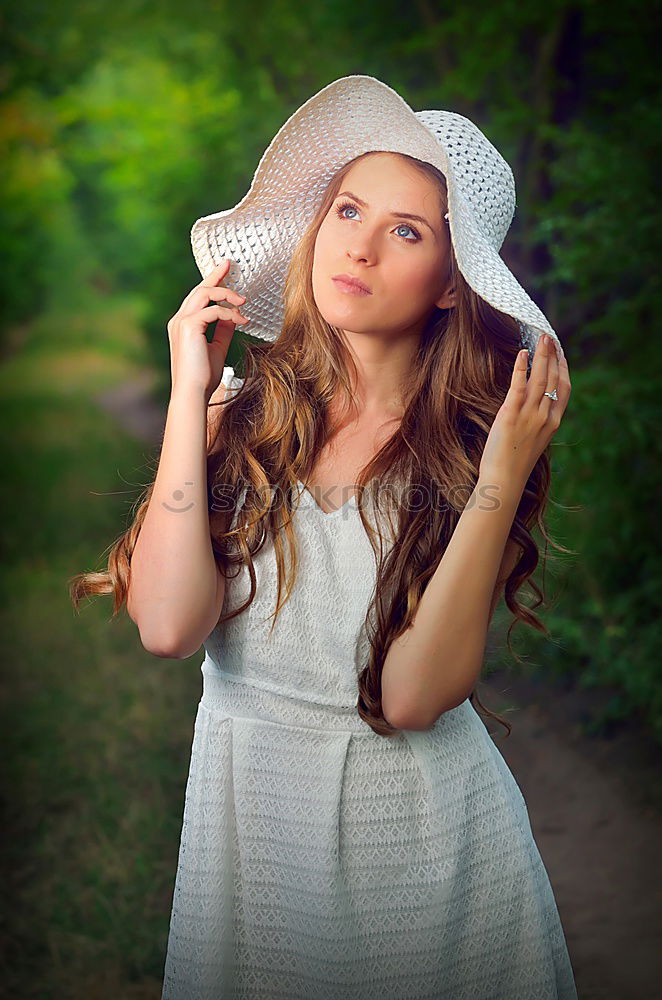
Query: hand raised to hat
529,416
196,363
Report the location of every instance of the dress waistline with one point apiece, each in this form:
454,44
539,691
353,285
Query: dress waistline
238,697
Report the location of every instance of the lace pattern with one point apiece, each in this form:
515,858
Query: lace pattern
320,860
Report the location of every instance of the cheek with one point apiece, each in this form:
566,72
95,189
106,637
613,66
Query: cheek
428,278
412,287
322,241
320,267
409,275
323,255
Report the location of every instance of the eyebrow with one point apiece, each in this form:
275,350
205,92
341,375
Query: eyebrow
395,215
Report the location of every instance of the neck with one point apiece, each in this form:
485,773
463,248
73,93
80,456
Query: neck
382,368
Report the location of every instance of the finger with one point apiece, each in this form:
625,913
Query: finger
212,313
518,377
234,315
201,295
547,404
217,272
538,377
564,388
211,280
556,343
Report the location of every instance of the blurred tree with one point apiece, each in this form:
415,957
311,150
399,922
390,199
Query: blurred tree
121,124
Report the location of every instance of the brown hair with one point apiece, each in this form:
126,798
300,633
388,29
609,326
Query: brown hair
275,425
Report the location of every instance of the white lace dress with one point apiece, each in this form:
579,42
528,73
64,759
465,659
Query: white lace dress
321,860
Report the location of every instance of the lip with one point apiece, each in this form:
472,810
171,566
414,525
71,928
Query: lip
350,285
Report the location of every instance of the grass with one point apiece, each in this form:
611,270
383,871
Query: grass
97,730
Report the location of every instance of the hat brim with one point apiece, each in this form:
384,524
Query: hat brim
350,116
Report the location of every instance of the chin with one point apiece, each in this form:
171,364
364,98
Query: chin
340,322
331,314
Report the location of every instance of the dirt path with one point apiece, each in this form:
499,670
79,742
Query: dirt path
595,802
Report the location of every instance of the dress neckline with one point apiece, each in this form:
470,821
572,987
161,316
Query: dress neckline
349,503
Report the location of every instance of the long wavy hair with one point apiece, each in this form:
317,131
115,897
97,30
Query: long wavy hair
271,431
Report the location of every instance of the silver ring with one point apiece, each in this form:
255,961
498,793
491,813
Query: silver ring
552,395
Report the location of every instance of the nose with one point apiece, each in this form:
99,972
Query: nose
360,253
361,245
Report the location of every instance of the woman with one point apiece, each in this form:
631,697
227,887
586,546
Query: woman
350,829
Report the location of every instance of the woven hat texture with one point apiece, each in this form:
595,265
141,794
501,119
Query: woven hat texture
354,115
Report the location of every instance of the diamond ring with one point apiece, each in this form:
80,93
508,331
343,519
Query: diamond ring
552,395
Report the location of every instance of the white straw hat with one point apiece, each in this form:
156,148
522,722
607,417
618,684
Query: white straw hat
354,115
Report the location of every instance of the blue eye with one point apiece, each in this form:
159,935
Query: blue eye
404,225
348,204
341,209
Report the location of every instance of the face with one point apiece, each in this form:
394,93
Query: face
367,235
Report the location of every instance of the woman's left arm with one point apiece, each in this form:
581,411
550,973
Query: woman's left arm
435,664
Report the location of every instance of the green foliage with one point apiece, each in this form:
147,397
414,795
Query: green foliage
606,597
95,738
95,745
120,125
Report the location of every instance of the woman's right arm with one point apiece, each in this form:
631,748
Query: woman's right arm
176,590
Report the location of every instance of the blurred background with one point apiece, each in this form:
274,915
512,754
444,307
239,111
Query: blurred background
121,123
